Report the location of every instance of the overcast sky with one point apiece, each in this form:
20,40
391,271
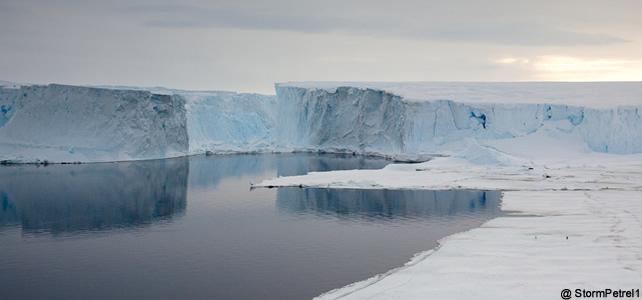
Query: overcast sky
247,46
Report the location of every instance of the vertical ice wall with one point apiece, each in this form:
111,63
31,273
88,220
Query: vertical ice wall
341,119
8,97
436,125
71,123
60,123
372,120
230,122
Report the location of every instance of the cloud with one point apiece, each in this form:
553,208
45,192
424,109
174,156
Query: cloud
347,59
175,24
508,31
518,33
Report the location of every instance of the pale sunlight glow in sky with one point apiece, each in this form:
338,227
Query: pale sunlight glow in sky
551,68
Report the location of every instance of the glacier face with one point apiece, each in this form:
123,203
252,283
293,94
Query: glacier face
481,122
434,124
62,123
452,118
230,122
343,119
8,97
71,123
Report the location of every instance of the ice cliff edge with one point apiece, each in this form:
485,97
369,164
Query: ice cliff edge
62,123
485,123
480,122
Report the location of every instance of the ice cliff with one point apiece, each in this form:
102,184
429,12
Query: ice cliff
484,123
230,122
62,123
72,123
342,119
477,121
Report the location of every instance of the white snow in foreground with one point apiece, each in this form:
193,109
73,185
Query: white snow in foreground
568,240
594,201
557,176
557,190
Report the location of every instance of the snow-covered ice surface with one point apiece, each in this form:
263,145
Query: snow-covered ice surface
570,240
582,94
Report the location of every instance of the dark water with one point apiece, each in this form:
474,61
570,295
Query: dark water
191,228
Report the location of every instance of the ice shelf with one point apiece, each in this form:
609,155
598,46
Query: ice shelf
480,122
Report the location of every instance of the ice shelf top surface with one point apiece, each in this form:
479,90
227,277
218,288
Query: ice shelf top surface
587,94
153,90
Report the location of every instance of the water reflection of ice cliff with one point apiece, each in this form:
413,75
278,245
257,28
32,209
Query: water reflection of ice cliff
62,199
387,204
209,171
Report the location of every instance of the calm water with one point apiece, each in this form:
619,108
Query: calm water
192,228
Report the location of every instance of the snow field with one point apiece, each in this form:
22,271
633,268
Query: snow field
560,240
